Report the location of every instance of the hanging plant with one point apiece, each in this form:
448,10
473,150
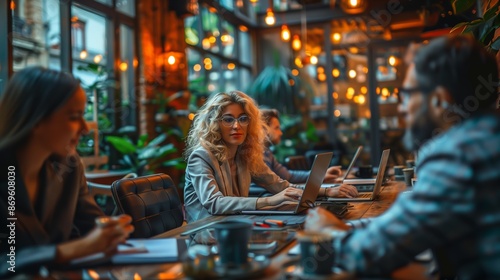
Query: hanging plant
276,87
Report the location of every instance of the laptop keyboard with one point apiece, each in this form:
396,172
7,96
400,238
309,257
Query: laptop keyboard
286,207
364,195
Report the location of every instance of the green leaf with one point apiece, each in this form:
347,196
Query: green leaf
491,12
458,26
495,44
123,145
460,6
142,140
157,141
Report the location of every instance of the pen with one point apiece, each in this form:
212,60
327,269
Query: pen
272,222
261,224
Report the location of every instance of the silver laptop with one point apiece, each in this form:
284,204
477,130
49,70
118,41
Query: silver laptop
309,195
379,180
342,178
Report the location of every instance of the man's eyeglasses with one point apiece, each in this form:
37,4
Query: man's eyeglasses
404,93
228,121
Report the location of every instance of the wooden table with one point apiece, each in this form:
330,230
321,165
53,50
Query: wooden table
274,271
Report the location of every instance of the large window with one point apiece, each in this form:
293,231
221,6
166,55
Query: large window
219,53
94,39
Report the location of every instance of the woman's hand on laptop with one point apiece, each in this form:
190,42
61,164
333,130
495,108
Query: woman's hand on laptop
332,173
343,190
319,219
288,194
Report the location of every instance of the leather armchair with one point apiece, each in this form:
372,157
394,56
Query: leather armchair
152,202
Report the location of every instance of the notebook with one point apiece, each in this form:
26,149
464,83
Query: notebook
379,180
309,195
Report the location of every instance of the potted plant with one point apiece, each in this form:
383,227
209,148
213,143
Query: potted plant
484,29
145,157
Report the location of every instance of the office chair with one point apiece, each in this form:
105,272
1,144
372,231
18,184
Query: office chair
103,196
297,163
152,202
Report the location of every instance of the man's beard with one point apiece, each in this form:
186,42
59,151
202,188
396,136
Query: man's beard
421,131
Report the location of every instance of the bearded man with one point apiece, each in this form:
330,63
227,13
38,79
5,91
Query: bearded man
450,96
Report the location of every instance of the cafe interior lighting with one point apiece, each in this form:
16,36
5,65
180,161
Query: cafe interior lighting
295,72
170,61
352,73
335,73
197,67
285,33
97,58
353,6
83,54
314,59
296,43
392,60
123,66
336,37
270,19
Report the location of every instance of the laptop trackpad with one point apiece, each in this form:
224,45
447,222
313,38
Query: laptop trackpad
285,205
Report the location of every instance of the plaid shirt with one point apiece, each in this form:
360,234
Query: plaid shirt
454,209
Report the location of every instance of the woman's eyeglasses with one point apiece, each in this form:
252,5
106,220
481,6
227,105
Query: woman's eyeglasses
228,121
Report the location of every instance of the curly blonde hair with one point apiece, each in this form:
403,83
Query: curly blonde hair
206,132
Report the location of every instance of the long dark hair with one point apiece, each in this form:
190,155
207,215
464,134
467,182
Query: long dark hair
31,95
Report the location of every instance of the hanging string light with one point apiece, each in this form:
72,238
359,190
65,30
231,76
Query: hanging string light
270,20
296,43
285,33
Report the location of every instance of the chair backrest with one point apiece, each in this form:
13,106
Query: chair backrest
152,202
297,163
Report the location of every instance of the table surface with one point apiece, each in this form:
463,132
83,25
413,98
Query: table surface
357,210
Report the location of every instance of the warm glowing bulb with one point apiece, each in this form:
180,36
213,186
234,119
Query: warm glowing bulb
197,67
231,66
361,99
83,54
353,3
337,113
270,20
97,58
123,66
392,60
295,72
335,73
171,60
296,43
314,59
285,33
207,60
364,90
320,70
352,74
321,77
336,37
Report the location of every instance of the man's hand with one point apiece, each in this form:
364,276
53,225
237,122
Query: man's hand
343,190
332,174
319,219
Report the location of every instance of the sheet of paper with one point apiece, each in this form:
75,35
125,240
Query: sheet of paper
295,250
137,251
156,250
